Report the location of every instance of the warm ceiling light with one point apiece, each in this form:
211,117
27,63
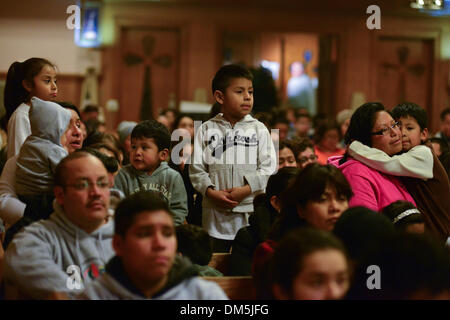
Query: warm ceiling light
427,4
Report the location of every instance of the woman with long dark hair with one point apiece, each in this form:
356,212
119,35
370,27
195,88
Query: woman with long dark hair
373,126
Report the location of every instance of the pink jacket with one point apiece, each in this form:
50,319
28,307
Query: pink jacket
371,188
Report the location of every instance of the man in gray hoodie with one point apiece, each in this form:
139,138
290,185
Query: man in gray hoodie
69,249
146,265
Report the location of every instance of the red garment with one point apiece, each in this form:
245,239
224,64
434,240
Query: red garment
262,254
260,270
323,156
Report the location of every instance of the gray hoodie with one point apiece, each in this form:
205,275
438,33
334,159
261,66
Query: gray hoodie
182,284
164,180
55,255
42,150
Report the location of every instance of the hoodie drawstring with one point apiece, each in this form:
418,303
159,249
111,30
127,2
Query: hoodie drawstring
102,249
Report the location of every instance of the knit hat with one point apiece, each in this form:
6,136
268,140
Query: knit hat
124,129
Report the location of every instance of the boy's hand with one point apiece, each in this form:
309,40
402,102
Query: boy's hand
240,193
221,198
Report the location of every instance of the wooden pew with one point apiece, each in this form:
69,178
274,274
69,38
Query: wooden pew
220,262
236,288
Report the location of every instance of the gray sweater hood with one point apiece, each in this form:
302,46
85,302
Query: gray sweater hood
158,171
39,257
61,220
220,118
182,284
42,150
48,120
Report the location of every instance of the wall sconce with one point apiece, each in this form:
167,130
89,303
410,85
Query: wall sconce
89,34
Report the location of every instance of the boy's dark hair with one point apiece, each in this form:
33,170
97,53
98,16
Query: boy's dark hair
152,129
194,243
133,205
110,163
409,109
225,74
396,208
70,106
444,113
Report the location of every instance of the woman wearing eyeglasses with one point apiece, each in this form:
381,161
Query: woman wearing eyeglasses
373,126
304,152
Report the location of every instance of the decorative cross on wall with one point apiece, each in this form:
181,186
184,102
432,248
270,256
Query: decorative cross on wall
416,69
163,60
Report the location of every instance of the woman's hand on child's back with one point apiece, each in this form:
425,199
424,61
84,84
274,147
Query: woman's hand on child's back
221,198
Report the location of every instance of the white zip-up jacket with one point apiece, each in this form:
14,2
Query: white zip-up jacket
228,156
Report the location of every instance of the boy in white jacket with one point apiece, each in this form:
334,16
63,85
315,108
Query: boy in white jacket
233,158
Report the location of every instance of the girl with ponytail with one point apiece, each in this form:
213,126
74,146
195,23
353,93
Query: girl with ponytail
33,77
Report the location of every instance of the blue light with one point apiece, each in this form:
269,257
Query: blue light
439,13
88,35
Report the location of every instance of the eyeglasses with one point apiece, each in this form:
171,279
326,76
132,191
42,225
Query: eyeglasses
312,157
85,185
386,130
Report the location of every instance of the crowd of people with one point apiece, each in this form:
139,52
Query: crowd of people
304,205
